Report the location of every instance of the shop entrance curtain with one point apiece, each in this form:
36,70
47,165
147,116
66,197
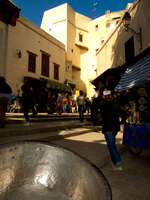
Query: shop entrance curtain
135,75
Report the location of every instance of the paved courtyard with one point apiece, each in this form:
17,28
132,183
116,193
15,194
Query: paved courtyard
130,184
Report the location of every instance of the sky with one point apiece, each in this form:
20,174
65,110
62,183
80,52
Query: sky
34,9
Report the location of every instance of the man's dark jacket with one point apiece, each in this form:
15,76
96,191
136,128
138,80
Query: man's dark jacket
4,87
110,112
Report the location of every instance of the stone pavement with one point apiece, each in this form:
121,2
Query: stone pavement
43,126
13,118
133,183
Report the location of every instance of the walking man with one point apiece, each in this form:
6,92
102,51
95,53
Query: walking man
59,104
111,114
81,105
28,101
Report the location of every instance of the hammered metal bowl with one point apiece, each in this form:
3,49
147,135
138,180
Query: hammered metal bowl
37,171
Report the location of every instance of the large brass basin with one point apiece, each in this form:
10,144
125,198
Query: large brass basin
38,171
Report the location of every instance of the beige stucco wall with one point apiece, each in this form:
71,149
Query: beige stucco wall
28,37
65,24
69,25
101,49
77,50
78,26
112,53
54,22
144,21
81,23
82,61
98,32
3,47
72,51
82,55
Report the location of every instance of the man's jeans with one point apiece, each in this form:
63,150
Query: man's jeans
110,139
81,112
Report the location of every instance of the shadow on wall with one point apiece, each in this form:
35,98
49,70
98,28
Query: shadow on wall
124,51
76,74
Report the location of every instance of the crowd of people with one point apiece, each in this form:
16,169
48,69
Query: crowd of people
27,99
108,109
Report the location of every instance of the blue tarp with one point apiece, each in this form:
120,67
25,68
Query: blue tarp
135,75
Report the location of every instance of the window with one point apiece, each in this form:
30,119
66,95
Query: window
31,62
107,25
68,68
56,71
45,64
80,37
129,50
96,27
117,21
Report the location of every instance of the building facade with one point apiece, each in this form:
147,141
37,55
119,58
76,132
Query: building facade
70,47
82,38
30,52
99,31
71,29
8,16
129,39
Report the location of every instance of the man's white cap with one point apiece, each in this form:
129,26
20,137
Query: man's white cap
106,92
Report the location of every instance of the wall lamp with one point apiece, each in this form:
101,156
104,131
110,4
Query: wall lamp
126,23
19,53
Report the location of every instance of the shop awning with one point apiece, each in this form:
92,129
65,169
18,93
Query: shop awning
58,86
48,84
135,75
109,78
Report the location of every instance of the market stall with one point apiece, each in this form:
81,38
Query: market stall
135,83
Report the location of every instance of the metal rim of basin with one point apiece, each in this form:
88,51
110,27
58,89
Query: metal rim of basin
95,168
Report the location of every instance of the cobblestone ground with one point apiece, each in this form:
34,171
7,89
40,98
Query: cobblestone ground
133,183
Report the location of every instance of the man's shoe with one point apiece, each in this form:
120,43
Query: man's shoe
118,168
27,124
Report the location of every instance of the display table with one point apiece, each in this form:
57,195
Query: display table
137,135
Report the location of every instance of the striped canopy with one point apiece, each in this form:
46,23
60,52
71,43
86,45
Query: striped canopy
135,75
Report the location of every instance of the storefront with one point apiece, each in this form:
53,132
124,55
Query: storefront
48,85
59,87
135,84
46,92
109,78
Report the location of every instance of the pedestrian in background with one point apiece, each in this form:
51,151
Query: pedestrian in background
15,106
81,105
111,113
65,103
5,98
28,101
59,104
